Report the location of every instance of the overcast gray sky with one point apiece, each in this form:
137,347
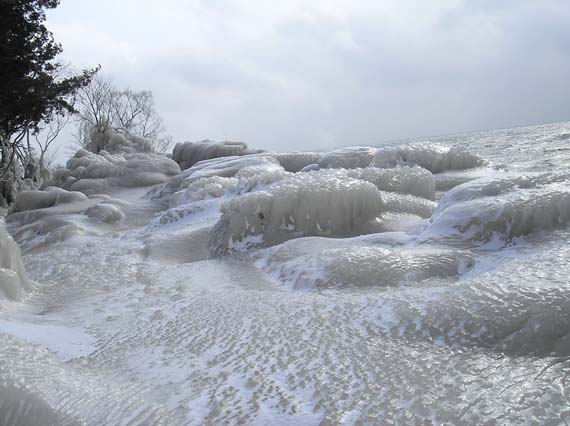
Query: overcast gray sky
313,74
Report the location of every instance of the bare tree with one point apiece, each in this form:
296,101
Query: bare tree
48,134
101,106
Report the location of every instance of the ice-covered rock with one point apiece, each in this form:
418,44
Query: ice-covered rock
225,167
297,161
98,173
347,158
13,281
434,157
187,154
50,196
370,261
501,208
300,205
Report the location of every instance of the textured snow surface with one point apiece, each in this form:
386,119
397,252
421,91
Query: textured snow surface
296,288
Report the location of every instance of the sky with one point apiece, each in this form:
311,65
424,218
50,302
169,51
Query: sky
317,74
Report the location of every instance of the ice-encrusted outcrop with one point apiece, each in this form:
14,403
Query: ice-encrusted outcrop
296,161
368,261
434,157
301,205
501,208
187,154
98,173
13,281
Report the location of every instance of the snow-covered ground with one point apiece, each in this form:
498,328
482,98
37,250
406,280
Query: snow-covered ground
409,284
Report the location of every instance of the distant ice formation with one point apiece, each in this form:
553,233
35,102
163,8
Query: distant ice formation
187,154
434,157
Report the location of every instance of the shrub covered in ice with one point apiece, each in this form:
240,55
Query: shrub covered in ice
434,157
50,196
501,208
309,263
300,205
347,158
189,153
13,281
105,138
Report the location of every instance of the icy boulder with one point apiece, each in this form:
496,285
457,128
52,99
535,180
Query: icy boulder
498,209
300,205
318,263
13,281
51,196
433,157
98,173
189,153
296,161
225,167
347,158
404,180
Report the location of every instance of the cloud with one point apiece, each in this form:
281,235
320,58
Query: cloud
314,74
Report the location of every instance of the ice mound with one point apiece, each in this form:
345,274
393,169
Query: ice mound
105,138
13,281
315,262
300,205
98,173
347,158
404,180
499,209
50,196
297,161
225,167
189,153
434,157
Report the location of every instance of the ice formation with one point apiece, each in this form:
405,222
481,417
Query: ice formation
499,209
434,157
50,196
347,158
316,262
301,205
189,153
105,138
98,173
13,281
